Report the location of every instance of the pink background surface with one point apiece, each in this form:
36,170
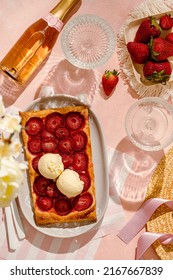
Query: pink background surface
15,17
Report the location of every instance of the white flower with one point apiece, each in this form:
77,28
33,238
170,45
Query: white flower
11,170
11,178
10,123
2,108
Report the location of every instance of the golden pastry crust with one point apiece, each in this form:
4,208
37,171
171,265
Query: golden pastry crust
51,217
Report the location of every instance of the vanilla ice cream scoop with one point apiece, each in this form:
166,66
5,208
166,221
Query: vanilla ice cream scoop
69,183
50,165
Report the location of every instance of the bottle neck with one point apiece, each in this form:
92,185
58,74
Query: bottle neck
62,8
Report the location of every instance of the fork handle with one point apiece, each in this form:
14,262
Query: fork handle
10,229
17,221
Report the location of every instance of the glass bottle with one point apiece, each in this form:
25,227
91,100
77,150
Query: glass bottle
36,43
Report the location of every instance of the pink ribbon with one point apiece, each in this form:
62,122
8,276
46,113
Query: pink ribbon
148,238
138,221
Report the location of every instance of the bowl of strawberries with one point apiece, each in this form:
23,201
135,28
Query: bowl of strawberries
149,42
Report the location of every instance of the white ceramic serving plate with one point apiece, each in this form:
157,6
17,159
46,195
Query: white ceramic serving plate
100,170
130,32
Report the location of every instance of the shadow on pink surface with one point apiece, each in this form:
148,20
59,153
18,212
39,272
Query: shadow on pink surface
132,180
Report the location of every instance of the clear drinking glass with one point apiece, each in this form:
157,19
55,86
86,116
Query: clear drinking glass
149,123
87,41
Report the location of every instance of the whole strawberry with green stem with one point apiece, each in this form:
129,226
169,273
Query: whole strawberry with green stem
109,81
166,22
157,71
147,29
160,49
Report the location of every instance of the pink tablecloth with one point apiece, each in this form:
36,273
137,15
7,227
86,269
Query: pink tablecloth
15,16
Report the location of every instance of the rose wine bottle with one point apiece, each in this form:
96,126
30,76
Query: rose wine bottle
36,43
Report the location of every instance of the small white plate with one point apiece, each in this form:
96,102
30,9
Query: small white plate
100,170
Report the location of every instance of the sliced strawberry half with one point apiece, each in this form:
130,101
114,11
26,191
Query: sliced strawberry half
74,120
40,185
67,160
63,206
53,121
34,126
80,162
86,179
44,203
34,146
52,190
47,135
48,146
35,162
79,141
65,145
82,202
62,132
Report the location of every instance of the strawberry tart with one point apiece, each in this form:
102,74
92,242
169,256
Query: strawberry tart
66,195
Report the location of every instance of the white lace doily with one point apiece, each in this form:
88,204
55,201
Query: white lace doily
147,8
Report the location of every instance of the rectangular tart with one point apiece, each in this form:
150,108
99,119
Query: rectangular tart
65,131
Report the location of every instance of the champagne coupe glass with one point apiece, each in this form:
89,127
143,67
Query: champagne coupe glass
149,123
87,41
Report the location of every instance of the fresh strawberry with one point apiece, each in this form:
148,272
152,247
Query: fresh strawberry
109,81
160,49
139,52
147,29
169,37
157,71
166,22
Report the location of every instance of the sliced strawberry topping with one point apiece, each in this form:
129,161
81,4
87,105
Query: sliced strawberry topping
63,206
74,120
34,126
53,121
86,179
35,162
48,146
80,140
67,160
80,161
62,132
41,184
65,145
52,190
82,202
47,135
44,203
34,146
